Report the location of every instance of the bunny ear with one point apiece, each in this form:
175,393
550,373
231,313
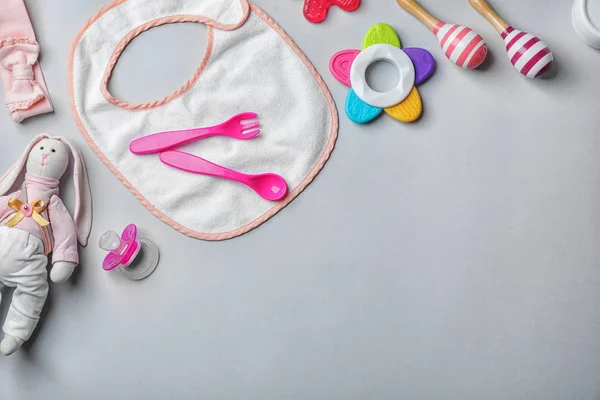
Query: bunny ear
10,177
83,195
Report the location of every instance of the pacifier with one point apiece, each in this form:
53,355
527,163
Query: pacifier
136,257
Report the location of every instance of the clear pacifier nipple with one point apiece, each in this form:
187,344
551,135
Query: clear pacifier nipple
110,241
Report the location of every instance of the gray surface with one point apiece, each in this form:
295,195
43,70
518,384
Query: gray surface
455,258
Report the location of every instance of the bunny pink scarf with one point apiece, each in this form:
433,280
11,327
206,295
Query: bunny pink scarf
25,92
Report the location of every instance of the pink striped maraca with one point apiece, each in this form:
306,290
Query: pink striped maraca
527,53
461,45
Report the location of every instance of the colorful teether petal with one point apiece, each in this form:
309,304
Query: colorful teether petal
409,110
423,62
340,64
358,111
316,10
381,34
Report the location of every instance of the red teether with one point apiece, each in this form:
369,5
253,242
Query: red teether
316,10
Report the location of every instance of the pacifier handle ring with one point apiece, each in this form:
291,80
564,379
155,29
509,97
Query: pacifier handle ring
152,251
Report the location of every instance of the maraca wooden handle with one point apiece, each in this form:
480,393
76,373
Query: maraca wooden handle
484,8
415,9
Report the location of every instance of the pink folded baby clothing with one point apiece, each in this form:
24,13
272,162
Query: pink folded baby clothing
25,92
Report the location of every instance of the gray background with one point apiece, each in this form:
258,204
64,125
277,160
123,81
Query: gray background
454,258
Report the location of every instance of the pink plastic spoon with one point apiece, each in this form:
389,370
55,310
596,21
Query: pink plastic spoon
162,141
269,186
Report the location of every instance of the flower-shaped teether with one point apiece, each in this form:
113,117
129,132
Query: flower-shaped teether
403,102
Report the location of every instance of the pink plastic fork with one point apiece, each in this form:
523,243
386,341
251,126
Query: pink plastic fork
162,141
269,186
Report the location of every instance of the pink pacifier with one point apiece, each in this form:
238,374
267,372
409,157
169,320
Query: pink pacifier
136,257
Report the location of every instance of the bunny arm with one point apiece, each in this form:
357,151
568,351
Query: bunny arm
64,232
4,208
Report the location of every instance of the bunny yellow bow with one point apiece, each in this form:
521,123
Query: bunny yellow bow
23,210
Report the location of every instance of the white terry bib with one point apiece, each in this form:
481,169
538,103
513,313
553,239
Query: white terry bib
250,64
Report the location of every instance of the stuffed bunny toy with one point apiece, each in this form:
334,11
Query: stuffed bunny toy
33,223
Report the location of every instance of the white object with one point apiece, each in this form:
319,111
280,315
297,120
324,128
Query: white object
22,265
10,344
586,21
250,65
393,55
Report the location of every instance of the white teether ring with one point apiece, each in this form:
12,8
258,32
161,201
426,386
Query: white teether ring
393,55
